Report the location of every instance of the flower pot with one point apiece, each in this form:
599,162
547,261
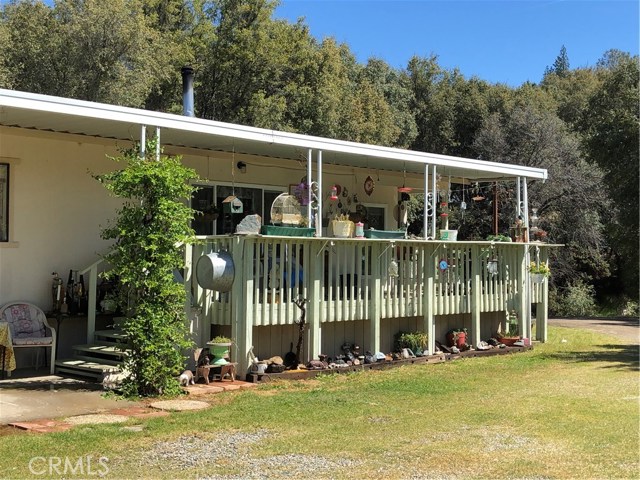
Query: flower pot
508,341
342,228
457,339
537,277
219,351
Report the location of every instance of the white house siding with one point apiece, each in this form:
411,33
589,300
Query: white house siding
56,210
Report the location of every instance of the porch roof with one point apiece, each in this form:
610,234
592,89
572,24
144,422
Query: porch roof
65,115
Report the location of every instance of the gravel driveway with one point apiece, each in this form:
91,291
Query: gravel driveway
625,328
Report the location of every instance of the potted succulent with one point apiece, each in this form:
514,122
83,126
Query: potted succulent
457,337
539,271
219,347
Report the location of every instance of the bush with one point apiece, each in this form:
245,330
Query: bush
578,300
630,309
416,341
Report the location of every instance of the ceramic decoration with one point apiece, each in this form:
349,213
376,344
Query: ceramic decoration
369,185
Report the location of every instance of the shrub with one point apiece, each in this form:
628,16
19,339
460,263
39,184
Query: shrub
630,309
578,300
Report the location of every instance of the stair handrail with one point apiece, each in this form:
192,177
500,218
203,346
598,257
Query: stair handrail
92,270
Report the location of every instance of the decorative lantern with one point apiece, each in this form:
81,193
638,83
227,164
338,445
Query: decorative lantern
393,268
492,266
334,193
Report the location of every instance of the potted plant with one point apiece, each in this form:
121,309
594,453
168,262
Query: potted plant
539,271
209,213
342,226
510,334
457,337
414,341
220,349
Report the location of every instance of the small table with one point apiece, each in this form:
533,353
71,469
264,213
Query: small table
224,370
6,349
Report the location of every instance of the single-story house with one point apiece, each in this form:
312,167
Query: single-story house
358,290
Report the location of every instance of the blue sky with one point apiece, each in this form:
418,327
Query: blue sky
503,41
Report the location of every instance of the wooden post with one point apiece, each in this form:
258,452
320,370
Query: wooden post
524,307
428,320
542,309
476,295
376,297
314,270
242,301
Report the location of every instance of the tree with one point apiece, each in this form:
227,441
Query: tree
148,230
571,203
91,50
560,66
611,128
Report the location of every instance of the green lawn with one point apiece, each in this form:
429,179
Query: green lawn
563,410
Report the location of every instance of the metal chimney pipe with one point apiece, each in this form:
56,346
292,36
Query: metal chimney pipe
187,92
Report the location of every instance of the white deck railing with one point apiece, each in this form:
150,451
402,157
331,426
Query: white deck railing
353,279
348,271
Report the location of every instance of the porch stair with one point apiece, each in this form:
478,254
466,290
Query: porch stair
97,359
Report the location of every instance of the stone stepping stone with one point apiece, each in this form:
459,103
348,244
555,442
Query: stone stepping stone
179,405
96,418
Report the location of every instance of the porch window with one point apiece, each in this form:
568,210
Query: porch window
208,200
4,202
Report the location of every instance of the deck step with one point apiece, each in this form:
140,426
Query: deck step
101,350
111,335
101,361
85,368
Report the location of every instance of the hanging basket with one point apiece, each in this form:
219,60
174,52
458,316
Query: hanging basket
537,277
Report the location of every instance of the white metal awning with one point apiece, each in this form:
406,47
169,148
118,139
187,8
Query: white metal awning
57,114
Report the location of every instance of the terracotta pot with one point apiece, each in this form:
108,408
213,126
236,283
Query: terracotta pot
508,341
457,339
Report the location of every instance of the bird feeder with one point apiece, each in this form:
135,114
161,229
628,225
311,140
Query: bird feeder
232,204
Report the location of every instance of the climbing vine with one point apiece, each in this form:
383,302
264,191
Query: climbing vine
148,231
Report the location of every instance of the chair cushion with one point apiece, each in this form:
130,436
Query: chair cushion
19,342
24,322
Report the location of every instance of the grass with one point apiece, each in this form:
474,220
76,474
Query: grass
563,410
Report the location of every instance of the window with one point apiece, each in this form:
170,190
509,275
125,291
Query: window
213,221
4,202
375,217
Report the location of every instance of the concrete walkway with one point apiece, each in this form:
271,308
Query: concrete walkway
51,396
41,404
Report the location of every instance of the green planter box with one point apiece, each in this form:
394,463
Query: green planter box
287,231
397,234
